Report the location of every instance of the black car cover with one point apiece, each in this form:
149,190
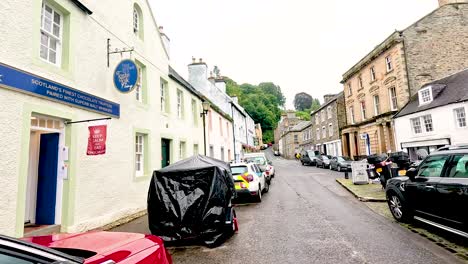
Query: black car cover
191,199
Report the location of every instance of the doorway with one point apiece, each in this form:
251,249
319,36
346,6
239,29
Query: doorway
44,184
165,152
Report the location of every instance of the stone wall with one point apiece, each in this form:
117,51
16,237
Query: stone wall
436,46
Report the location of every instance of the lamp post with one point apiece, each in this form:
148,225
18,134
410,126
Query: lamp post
206,107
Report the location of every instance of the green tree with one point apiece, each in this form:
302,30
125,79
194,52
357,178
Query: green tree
302,101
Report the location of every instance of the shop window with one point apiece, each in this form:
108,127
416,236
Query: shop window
51,34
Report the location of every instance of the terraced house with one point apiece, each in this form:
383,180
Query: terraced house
61,87
382,82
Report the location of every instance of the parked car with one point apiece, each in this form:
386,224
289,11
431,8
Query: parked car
323,161
435,192
276,153
90,247
249,180
308,157
340,163
261,160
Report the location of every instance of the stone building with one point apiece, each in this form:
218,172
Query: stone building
287,121
292,139
382,82
327,122
308,141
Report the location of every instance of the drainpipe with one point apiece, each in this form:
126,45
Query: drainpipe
233,131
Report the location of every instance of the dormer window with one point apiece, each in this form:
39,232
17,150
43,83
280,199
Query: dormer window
425,96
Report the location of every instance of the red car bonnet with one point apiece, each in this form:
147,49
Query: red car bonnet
109,245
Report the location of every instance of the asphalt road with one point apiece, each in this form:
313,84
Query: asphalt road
308,218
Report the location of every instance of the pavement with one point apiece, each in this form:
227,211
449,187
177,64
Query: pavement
307,217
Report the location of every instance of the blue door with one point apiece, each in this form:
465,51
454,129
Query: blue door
47,179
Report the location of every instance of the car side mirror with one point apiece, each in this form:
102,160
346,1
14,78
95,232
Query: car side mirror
411,173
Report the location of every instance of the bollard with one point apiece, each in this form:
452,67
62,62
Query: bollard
346,176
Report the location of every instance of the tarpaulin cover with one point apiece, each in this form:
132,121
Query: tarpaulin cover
191,199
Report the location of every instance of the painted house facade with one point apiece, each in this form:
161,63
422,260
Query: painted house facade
56,71
381,83
434,117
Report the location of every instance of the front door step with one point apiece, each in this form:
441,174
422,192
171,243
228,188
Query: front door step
41,230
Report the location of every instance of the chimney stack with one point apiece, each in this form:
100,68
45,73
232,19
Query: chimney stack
198,72
166,41
328,97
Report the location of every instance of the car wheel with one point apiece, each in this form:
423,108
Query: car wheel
398,207
267,187
302,163
258,198
338,168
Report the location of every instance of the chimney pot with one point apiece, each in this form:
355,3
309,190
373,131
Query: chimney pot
200,60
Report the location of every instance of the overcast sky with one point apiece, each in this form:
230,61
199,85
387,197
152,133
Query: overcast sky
301,45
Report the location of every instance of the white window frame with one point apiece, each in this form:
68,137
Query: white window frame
351,115
163,95
329,112
318,133
372,73
421,121
376,99
139,86
136,21
139,154
363,109
425,96
324,132
322,115
424,119
330,130
180,104
50,35
415,123
393,104
460,117
360,85
388,63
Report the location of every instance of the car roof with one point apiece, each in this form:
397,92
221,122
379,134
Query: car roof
450,152
255,154
240,164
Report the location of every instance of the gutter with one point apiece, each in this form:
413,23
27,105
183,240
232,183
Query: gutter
82,7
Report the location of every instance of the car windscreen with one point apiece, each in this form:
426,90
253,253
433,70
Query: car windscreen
325,158
311,154
344,159
257,160
238,170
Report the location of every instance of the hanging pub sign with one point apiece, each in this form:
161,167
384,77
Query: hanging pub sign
97,140
126,76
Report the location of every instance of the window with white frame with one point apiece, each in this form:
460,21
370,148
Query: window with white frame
322,115
318,134
317,118
363,110
139,85
460,117
194,112
140,154
181,150
350,89
376,105
329,112
51,34
425,96
360,86
180,104
137,21
422,124
416,124
164,96
351,115
330,130
427,119
372,73
388,62
324,132
393,99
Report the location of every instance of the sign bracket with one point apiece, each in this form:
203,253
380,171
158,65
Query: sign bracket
109,52
89,120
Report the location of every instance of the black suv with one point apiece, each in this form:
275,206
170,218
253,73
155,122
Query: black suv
436,192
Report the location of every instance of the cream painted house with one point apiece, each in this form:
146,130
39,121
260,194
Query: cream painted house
55,69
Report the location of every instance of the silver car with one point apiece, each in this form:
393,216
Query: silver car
340,163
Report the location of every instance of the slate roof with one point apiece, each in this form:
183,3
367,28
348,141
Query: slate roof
449,90
176,76
300,126
327,103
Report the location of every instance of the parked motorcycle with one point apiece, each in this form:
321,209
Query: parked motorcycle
386,167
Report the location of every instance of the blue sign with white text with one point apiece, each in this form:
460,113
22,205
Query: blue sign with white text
21,81
126,76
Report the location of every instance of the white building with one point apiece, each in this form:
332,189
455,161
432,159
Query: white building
54,69
435,117
214,88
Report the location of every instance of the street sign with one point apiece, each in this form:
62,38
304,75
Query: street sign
126,76
359,172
